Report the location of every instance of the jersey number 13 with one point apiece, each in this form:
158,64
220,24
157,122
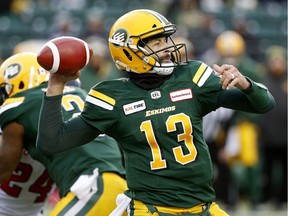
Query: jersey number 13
186,137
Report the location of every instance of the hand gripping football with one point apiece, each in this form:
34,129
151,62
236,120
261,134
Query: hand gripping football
65,55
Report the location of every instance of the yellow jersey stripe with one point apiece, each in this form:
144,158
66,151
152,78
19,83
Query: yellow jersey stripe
11,103
205,76
99,103
13,100
199,73
102,97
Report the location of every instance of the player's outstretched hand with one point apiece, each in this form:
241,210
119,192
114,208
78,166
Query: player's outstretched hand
230,76
57,82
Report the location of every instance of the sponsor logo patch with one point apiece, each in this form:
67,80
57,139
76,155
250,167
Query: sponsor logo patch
180,95
134,107
155,94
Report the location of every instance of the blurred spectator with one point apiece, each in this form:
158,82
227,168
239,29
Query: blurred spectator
190,14
273,131
241,147
63,26
198,24
99,67
20,6
214,128
31,45
240,25
212,5
68,4
246,4
94,24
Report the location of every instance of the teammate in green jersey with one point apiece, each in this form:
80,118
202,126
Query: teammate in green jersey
155,115
89,177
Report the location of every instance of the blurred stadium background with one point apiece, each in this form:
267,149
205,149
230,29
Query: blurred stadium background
264,20
262,23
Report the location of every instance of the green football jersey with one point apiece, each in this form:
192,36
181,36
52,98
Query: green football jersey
64,168
160,131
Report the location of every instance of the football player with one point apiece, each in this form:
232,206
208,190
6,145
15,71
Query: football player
88,177
155,115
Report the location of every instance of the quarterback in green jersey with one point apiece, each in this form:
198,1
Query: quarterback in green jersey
87,177
155,115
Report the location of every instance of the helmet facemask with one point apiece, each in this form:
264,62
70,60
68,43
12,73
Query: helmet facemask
5,89
160,67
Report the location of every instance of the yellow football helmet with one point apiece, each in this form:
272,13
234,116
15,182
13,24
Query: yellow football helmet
129,35
20,72
230,43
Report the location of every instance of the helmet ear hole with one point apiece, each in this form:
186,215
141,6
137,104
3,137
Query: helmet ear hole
127,54
21,85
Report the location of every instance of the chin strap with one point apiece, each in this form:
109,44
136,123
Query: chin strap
163,69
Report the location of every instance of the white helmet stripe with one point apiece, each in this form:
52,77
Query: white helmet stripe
161,18
32,71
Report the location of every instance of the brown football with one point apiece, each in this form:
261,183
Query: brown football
65,55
